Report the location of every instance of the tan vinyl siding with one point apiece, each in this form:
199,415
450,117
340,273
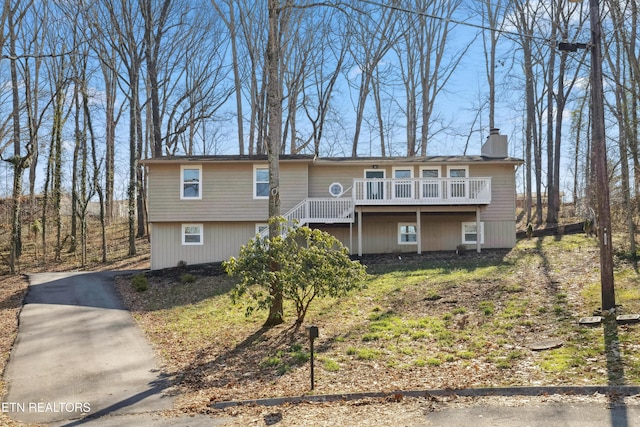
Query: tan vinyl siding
503,190
321,177
499,234
502,176
229,212
221,241
439,233
227,193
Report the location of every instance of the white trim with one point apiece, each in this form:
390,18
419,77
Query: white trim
384,172
400,233
255,181
261,226
200,235
402,190
339,192
472,242
455,167
182,182
431,168
373,195
427,189
458,190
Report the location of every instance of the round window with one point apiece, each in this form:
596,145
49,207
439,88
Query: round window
335,189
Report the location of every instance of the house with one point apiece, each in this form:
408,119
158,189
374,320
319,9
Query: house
204,208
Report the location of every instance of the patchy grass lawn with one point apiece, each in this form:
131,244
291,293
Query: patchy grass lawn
429,321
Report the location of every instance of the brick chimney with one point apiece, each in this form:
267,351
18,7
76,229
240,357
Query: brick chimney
496,145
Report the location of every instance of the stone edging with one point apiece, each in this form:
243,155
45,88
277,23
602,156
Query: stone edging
467,392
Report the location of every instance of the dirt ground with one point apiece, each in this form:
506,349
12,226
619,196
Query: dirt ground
198,388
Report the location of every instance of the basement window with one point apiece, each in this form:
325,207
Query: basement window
470,233
192,234
407,234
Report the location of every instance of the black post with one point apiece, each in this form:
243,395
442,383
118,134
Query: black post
313,334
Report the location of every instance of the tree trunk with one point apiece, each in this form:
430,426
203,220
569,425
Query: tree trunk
551,68
96,175
274,141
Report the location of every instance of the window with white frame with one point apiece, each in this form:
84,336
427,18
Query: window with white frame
403,184
375,188
192,234
430,182
458,181
260,182
191,182
407,234
336,189
470,233
261,226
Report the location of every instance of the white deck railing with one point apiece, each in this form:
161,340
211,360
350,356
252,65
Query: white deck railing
318,210
383,191
422,191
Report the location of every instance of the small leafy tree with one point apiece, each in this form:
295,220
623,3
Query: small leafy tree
311,264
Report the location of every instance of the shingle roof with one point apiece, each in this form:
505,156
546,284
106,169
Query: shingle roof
331,160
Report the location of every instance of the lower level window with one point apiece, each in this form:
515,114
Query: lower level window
407,234
470,233
261,227
192,234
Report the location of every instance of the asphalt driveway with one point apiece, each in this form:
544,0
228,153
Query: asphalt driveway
79,353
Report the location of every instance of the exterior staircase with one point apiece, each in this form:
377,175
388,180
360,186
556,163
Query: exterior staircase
318,210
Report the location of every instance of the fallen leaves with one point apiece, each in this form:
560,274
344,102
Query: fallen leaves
539,298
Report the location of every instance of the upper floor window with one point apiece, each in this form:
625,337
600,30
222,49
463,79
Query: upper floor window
403,185
336,189
260,182
458,181
430,182
191,182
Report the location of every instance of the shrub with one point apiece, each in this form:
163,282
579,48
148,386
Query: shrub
331,365
188,278
140,283
303,265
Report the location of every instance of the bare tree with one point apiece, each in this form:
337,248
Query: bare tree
229,18
427,64
623,69
567,75
493,12
156,18
14,15
373,34
195,76
277,26
320,86
119,24
525,18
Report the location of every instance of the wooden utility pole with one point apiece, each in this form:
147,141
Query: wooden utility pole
600,158
599,155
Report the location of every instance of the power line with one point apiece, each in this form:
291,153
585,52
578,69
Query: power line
455,21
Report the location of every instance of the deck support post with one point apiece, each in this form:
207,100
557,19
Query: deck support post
478,229
359,231
418,230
